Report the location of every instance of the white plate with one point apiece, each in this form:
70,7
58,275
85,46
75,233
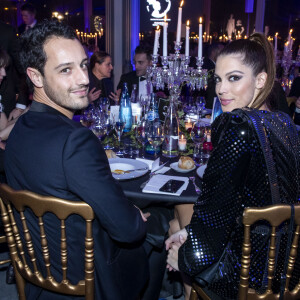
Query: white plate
175,167
200,171
127,164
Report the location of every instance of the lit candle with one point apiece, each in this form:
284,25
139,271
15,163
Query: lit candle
165,38
96,39
188,124
187,39
290,36
210,39
156,40
182,143
178,36
275,46
200,39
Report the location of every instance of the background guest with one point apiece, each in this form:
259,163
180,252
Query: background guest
28,12
100,77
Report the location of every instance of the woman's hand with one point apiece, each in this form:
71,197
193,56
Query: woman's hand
172,259
178,238
93,94
115,96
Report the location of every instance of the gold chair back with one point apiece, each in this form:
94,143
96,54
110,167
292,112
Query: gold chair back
19,200
275,215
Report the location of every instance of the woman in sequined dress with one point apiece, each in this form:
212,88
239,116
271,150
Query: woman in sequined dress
235,176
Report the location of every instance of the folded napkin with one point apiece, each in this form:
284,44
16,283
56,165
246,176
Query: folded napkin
153,165
157,181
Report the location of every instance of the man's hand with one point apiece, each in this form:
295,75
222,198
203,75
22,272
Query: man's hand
15,113
177,238
93,94
115,96
144,216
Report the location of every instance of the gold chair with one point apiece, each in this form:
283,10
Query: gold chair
61,209
3,240
275,215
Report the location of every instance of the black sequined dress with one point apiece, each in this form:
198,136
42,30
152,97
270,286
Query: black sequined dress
236,177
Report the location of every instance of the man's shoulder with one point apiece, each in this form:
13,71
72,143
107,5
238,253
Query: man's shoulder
131,75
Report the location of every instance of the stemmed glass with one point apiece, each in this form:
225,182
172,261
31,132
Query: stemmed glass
198,136
200,103
98,128
155,135
109,124
119,126
144,101
141,135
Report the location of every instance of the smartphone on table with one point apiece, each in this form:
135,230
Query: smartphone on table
172,186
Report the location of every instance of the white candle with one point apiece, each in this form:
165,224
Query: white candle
200,39
165,38
96,39
156,40
178,36
290,36
187,39
182,143
275,46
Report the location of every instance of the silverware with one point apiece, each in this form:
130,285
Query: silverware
153,173
197,189
129,171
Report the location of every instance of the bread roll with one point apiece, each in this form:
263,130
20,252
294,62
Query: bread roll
186,162
110,154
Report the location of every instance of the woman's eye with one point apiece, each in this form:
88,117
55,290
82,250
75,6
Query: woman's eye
217,79
234,78
84,66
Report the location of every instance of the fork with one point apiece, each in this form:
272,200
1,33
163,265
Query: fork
197,189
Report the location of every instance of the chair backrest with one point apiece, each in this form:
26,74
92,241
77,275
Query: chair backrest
62,209
275,215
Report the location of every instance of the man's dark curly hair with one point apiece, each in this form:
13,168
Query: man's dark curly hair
32,52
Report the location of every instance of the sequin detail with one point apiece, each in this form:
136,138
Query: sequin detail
236,177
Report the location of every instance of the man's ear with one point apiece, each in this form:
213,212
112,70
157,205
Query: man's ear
261,80
35,76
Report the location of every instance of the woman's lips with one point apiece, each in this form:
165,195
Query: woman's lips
225,102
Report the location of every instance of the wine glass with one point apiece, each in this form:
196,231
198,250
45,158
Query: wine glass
109,124
198,136
155,135
200,104
99,128
144,101
119,126
141,135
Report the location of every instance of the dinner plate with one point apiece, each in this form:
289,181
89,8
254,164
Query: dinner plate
175,167
200,171
126,164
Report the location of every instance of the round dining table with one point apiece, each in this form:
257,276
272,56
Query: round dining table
133,191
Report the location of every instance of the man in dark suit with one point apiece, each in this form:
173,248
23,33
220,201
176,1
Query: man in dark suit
10,86
28,12
50,154
142,60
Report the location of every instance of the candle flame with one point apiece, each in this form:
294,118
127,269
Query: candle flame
188,23
181,3
157,27
165,19
291,30
276,34
189,121
200,20
182,137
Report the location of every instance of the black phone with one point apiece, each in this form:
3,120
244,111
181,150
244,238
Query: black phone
172,186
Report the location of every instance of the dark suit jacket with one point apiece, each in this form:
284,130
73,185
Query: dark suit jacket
11,84
51,155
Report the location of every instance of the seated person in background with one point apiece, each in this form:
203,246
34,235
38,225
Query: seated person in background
50,154
209,64
235,176
99,75
142,60
295,105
